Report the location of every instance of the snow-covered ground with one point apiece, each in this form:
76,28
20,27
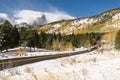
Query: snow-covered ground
91,66
12,52
47,52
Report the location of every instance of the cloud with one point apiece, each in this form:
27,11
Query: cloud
26,16
29,15
4,16
57,15
35,18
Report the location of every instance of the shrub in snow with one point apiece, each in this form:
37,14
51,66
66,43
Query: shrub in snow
14,71
28,70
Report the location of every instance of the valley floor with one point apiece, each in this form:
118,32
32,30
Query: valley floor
90,66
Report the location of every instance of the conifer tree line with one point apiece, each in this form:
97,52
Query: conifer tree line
11,37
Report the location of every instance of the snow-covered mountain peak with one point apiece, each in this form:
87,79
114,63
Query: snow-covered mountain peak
35,18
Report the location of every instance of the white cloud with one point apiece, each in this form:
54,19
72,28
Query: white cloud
29,15
4,17
26,15
35,17
57,15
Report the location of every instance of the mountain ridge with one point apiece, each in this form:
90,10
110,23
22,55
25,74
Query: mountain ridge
69,26
78,25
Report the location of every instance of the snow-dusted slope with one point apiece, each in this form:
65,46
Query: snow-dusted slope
104,22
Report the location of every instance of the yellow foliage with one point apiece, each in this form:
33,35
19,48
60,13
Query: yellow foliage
64,23
55,44
58,45
94,40
87,44
79,32
69,45
109,37
46,28
96,28
28,70
20,52
16,53
61,45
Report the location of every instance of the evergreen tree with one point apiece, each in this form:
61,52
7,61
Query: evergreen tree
42,40
22,35
32,38
14,37
117,40
1,38
7,39
10,36
59,36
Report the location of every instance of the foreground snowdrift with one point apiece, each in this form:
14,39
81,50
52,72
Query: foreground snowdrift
88,66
